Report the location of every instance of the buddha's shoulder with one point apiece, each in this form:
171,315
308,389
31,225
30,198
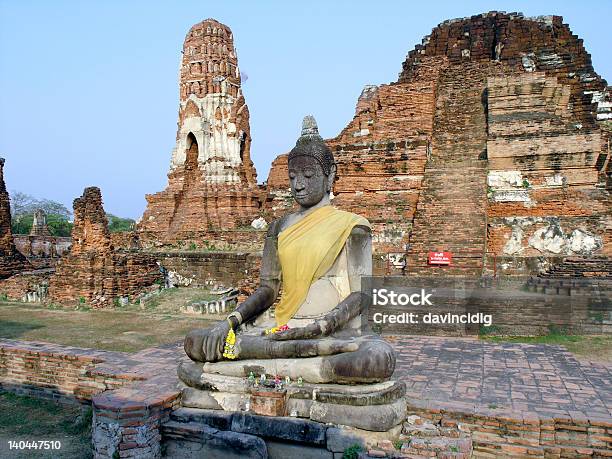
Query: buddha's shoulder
276,226
362,225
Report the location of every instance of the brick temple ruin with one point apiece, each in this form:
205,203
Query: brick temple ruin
212,183
94,271
493,144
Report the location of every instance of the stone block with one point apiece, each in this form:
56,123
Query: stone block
194,440
281,428
194,398
268,403
378,418
338,440
300,408
216,419
282,450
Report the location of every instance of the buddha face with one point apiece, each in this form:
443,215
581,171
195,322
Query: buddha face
309,184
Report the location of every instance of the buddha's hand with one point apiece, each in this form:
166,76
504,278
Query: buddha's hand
206,344
334,320
313,330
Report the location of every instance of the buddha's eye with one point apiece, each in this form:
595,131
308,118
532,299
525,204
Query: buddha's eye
291,175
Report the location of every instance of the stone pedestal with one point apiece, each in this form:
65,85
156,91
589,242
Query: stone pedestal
373,407
195,433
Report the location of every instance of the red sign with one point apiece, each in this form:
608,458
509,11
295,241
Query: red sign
440,258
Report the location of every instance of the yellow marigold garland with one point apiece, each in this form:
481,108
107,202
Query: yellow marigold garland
229,351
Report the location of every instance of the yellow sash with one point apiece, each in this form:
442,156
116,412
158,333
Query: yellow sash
307,250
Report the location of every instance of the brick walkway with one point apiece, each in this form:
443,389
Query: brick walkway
454,374
519,398
479,376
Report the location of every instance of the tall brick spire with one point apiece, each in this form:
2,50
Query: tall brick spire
212,182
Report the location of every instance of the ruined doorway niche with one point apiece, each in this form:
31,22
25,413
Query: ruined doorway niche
191,155
242,146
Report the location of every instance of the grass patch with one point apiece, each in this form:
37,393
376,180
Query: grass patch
593,347
114,330
352,452
28,418
171,299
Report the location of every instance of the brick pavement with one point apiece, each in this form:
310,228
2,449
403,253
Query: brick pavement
477,375
461,372
515,399
469,373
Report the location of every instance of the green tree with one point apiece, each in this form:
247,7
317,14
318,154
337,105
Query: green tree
22,224
58,225
118,224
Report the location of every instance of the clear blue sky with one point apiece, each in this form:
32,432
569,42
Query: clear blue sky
89,92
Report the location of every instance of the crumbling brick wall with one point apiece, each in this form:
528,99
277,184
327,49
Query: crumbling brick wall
481,101
94,271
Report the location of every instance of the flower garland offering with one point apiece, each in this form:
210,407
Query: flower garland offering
282,328
229,350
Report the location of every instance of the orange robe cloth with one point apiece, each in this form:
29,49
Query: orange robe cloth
307,250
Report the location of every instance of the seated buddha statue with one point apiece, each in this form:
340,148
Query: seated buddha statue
318,255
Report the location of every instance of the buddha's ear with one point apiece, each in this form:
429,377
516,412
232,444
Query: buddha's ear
331,178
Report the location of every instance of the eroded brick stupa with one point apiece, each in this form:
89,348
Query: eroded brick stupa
493,145
212,183
94,271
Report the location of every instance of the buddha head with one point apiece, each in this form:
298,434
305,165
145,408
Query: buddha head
312,169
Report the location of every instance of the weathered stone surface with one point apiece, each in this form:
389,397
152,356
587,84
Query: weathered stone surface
368,439
377,418
191,373
299,407
283,450
339,439
281,428
222,377
94,271
194,398
221,420
311,369
212,183
191,440
361,395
